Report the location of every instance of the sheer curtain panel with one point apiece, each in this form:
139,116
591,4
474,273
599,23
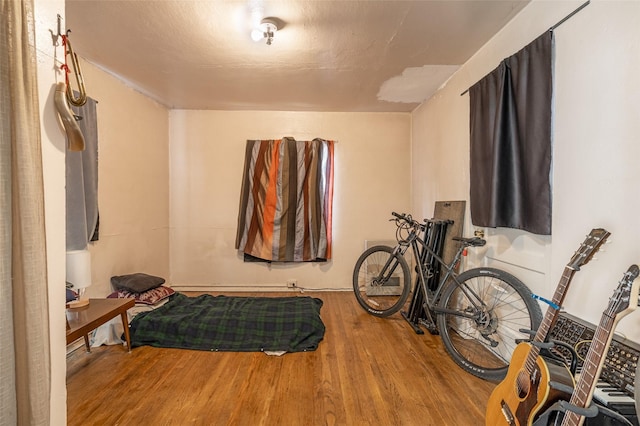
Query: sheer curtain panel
286,200
25,372
82,181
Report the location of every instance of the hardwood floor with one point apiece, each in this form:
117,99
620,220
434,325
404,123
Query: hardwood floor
366,371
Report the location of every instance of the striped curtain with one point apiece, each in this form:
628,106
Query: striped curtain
286,200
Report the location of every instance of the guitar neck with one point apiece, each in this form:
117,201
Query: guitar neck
550,317
591,368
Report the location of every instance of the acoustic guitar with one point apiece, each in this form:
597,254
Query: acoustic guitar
623,302
525,391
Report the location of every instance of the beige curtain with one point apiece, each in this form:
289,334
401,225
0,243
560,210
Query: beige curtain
25,384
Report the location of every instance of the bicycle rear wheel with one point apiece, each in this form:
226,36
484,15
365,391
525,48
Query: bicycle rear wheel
497,306
381,281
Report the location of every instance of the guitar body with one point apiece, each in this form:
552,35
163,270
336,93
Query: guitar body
525,392
521,397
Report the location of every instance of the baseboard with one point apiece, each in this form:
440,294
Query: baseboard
253,288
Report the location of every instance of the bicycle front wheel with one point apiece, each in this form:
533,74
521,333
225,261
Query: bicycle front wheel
381,281
490,308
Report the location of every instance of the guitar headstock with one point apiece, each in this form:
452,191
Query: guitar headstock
625,298
596,238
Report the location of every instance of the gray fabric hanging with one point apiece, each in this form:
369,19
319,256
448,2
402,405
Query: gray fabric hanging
510,126
82,181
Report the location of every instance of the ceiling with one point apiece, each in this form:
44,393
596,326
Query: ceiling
328,55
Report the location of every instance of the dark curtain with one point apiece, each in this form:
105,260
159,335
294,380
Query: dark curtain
286,201
510,127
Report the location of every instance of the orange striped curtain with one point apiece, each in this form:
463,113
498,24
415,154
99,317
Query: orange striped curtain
286,200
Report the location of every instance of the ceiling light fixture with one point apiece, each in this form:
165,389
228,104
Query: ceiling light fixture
266,30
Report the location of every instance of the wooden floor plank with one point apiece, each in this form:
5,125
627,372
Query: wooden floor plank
366,371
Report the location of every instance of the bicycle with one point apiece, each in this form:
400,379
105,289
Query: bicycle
481,314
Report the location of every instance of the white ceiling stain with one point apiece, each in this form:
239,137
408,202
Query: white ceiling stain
416,85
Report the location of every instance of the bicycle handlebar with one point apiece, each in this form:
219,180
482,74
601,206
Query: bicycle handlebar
404,216
408,220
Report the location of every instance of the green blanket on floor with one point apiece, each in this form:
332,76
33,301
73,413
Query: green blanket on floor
221,323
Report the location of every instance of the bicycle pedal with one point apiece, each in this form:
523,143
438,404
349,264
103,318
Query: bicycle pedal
432,328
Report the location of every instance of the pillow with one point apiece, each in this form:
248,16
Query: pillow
71,295
149,297
136,283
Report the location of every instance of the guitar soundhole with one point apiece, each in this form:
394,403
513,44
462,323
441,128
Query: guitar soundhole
523,385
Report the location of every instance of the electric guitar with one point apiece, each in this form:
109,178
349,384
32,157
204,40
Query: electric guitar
525,390
623,302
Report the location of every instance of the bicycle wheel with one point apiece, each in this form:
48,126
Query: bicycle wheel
381,291
497,306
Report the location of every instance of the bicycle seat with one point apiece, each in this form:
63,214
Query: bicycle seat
475,241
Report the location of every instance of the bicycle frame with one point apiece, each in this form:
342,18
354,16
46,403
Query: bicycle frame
414,241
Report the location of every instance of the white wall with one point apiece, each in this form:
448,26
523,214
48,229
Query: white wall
207,157
53,152
597,152
595,155
133,182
